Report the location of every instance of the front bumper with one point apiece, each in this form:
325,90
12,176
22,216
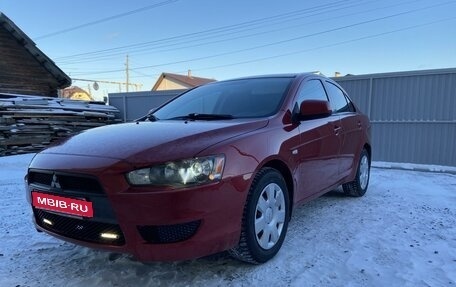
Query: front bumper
154,225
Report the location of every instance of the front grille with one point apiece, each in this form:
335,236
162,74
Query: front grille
168,233
67,182
40,178
84,230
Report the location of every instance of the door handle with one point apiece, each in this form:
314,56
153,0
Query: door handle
337,130
360,124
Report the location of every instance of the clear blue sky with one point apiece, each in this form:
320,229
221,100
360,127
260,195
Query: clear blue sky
225,39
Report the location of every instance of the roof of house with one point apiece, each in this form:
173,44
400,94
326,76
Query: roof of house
68,92
186,80
62,79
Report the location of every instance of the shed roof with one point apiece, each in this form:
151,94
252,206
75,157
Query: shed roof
62,79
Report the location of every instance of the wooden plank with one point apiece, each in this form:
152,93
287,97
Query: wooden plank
24,140
29,124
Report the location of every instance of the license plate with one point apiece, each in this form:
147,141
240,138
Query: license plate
62,204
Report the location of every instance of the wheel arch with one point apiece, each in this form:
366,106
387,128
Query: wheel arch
287,176
368,148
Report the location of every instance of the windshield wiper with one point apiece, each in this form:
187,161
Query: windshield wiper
149,117
204,117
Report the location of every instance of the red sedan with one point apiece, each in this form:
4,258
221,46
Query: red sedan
221,167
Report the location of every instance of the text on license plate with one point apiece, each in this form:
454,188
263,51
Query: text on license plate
62,204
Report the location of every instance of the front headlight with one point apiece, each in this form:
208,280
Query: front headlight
180,173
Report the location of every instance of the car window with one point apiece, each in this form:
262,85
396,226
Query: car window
339,103
203,104
311,90
239,98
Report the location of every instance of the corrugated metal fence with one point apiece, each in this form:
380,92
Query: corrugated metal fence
136,104
413,114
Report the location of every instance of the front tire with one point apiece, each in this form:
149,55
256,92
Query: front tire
265,218
358,186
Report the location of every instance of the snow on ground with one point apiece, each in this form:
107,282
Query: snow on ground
401,233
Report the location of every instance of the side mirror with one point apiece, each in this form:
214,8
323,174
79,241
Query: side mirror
314,109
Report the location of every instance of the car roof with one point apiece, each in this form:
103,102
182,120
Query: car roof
289,75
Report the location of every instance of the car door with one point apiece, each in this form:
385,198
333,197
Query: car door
319,149
351,128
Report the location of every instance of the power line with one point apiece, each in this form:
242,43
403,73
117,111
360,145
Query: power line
218,30
321,47
237,37
144,74
279,42
327,46
163,3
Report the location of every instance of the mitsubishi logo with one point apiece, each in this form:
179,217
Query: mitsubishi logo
55,182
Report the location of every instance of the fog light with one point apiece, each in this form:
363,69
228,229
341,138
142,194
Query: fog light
108,235
47,221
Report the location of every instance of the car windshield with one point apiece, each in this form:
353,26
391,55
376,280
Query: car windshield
244,98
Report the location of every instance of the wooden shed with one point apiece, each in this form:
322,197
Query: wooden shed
24,69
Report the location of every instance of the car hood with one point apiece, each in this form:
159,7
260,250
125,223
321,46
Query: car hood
148,142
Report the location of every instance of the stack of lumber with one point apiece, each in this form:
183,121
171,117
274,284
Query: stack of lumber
30,123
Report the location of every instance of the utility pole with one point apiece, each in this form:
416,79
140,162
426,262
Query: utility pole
127,74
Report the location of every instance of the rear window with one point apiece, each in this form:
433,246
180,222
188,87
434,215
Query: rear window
244,98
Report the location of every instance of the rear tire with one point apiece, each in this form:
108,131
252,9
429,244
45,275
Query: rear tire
358,186
265,218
